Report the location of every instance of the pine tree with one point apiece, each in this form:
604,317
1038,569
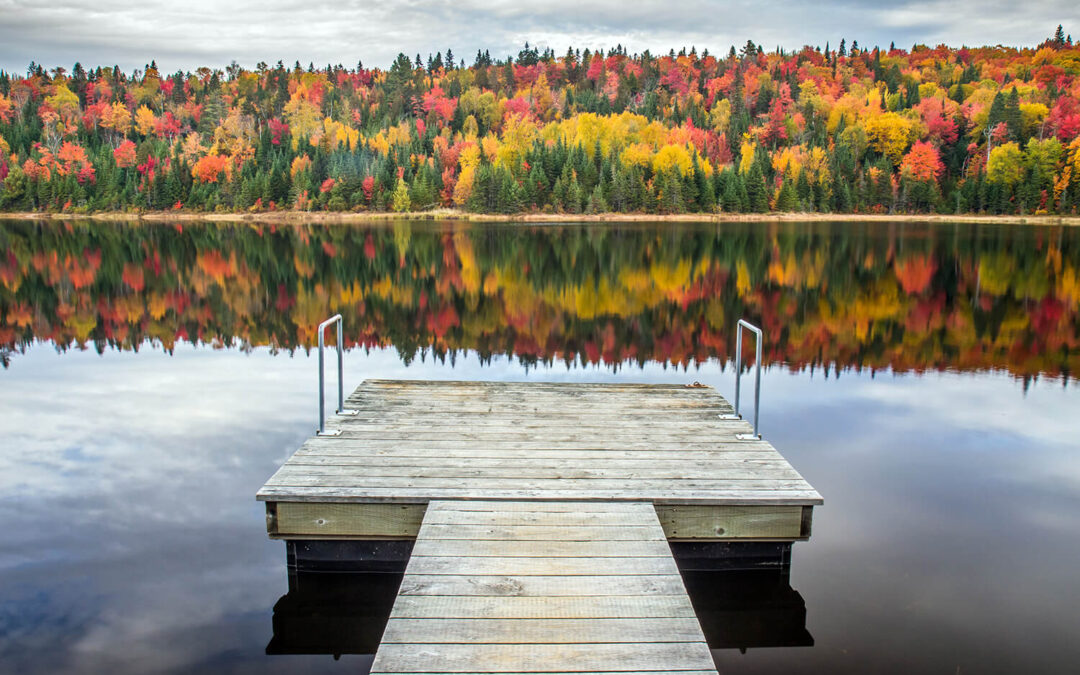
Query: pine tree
756,190
597,203
510,193
1012,116
997,112
670,193
729,197
804,192
786,199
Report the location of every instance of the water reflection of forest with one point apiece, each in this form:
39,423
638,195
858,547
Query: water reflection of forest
905,297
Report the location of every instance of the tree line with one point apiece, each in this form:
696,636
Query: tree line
828,130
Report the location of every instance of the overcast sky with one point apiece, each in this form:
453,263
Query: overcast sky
185,35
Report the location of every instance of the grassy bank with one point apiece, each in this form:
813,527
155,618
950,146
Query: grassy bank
453,214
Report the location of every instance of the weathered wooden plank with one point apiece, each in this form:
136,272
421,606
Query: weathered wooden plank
551,549
519,566
378,382
473,388
502,506
446,462
403,520
542,533
421,429
529,394
731,522
479,483
553,437
323,473
646,419
540,631
546,586
535,402
531,658
669,496
529,607
539,450
597,672
548,519
595,410
370,520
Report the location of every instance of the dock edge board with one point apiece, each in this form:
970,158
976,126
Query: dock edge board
691,522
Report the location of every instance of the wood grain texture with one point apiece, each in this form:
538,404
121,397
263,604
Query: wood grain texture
472,604
730,522
415,441
369,520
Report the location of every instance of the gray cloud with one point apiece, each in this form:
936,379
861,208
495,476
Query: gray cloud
188,35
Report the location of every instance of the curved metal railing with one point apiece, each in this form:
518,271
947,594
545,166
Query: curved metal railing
341,409
758,338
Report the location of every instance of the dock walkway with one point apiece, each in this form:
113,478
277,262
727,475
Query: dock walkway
506,586
541,514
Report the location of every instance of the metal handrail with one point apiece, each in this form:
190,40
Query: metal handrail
341,410
759,338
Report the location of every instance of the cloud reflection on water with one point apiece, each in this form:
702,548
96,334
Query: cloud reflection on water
134,542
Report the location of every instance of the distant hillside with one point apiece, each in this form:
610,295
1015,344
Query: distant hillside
845,129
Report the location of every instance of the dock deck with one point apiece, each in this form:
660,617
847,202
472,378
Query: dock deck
504,586
541,514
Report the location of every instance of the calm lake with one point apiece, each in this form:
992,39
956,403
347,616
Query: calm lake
920,376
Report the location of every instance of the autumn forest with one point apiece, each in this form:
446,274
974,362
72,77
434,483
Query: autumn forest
839,129
832,296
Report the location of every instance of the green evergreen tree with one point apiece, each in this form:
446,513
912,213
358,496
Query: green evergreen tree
1012,115
756,190
597,203
786,199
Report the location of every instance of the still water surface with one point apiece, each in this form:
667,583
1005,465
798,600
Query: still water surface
919,376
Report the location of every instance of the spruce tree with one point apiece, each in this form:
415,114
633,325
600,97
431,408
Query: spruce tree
597,203
1012,116
756,190
729,197
803,192
786,199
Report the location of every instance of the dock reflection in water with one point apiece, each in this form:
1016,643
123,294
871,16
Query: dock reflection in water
341,595
333,613
748,609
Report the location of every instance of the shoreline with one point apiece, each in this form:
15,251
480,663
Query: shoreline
297,217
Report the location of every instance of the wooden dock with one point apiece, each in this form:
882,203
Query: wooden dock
505,586
541,515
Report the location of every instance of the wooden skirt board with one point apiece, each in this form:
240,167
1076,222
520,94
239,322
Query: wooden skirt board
330,520
527,602
416,441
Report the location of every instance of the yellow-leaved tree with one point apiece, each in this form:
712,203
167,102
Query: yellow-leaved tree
1006,165
144,120
671,156
890,134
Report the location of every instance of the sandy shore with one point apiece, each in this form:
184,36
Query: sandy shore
451,214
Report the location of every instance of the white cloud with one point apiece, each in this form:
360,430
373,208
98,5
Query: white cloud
188,35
